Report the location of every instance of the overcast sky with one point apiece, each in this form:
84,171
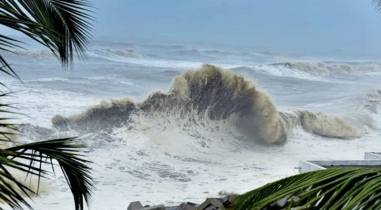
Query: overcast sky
286,25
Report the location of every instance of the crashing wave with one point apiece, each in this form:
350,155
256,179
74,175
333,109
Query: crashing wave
323,69
331,126
210,95
211,92
371,101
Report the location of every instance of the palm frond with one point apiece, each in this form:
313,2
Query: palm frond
75,168
29,158
377,6
7,69
337,188
7,129
63,26
9,195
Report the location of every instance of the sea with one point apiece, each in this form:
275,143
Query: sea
170,123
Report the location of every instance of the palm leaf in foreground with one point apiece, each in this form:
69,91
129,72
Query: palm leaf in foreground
29,158
336,188
63,26
75,169
377,6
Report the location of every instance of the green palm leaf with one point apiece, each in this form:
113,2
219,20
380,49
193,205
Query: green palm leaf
377,6
75,168
337,188
63,26
29,158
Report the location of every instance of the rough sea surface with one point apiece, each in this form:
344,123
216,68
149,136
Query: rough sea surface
173,123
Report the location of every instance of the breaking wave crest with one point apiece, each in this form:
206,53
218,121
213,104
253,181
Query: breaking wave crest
372,101
323,69
331,126
206,97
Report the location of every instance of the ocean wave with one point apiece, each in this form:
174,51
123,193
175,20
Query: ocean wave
126,53
170,73
209,93
214,99
331,126
275,71
371,101
163,46
112,43
188,52
268,53
324,69
39,54
222,52
160,63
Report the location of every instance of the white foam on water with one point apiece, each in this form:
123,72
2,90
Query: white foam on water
281,71
39,105
164,160
142,169
158,63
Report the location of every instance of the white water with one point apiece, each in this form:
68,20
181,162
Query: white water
163,159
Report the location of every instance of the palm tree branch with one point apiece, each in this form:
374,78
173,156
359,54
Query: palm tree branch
377,6
75,168
8,43
9,194
337,188
7,69
63,26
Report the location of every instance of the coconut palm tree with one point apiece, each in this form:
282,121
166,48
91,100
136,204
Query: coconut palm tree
64,27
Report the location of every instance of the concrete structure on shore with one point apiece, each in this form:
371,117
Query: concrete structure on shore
372,156
371,159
